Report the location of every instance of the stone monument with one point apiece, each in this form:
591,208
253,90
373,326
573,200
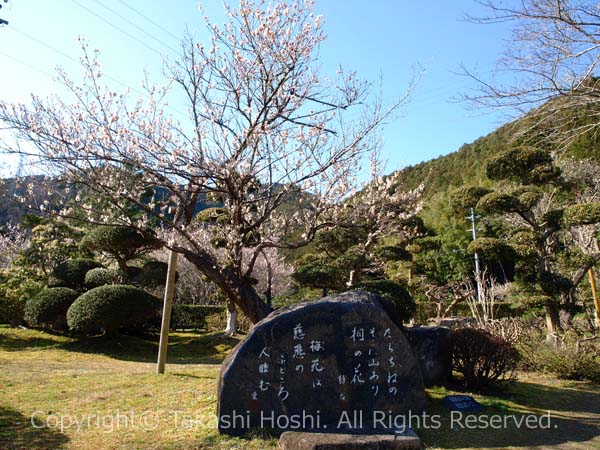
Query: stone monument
336,365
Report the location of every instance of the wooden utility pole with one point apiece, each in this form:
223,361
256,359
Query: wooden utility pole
595,295
166,315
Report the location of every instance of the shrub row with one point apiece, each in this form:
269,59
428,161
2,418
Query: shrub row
574,357
111,307
195,316
101,276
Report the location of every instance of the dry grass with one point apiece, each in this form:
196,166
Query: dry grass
110,389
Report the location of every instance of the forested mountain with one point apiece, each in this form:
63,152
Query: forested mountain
466,166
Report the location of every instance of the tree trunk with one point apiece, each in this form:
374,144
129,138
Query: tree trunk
236,289
552,323
123,266
231,319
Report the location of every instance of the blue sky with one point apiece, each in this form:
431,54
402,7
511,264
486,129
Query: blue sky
378,37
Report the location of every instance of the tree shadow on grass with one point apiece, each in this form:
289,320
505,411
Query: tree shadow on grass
584,398
184,348
574,420
17,342
17,432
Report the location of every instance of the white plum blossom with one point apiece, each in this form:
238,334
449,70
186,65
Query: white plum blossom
271,143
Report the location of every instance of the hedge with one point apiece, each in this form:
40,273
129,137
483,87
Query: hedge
112,307
194,316
49,307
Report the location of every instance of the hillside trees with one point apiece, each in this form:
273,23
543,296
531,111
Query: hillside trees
264,126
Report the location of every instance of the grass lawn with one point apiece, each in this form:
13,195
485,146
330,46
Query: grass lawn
108,397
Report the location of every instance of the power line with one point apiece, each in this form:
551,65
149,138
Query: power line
136,26
27,65
150,20
38,41
71,58
117,28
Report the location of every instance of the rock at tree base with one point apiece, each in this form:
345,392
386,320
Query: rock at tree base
292,440
338,364
433,348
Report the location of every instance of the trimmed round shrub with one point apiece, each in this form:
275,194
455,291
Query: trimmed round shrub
482,358
101,276
72,273
397,301
153,273
112,307
123,243
49,307
11,310
467,197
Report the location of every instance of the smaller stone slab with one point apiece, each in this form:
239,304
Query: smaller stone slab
462,403
433,348
294,440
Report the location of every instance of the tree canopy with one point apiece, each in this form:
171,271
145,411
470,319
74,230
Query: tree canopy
276,144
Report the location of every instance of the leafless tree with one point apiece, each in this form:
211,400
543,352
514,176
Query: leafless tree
549,68
484,306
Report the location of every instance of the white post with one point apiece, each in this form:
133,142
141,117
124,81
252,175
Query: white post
478,280
231,322
166,315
